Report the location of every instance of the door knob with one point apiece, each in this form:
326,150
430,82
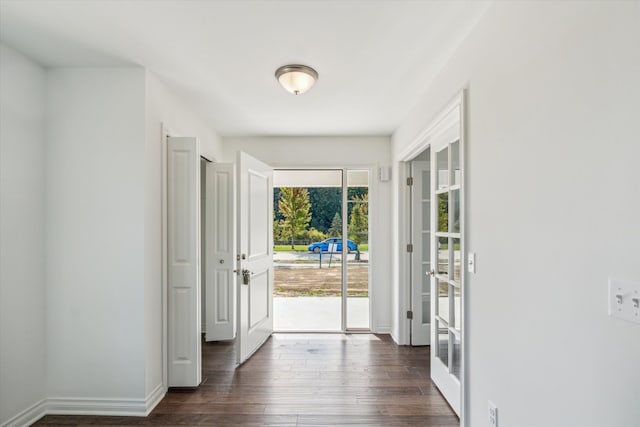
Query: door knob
430,273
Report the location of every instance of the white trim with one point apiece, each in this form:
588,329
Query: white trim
465,409
383,329
404,266
435,127
165,132
154,398
88,406
96,406
28,416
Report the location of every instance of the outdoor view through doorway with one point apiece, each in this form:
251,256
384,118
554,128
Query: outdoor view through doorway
318,286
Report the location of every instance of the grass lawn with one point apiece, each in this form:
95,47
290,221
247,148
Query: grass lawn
287,248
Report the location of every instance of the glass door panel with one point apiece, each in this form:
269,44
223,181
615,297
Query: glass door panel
443,256
455,163
443,300
442,168
443,212
456,256
456,355
442,347
307,263
357,253
455,211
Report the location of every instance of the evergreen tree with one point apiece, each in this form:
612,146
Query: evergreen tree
336,226
294,207
359,219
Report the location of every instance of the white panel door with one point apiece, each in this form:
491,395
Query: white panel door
220,305
183,263
447,247
421,256
255,266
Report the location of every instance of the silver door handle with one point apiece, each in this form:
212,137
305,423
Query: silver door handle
246,276
430,273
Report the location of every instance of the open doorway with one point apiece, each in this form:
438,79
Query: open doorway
318,286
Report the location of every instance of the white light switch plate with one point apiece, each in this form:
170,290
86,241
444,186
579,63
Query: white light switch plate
471,262
624,300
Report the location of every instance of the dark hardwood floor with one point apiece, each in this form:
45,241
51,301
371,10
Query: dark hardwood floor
303,380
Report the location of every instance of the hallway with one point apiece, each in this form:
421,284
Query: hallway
303,380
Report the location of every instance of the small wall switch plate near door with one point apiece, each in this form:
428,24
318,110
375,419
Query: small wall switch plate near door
384,173
493,414
471,262
624,300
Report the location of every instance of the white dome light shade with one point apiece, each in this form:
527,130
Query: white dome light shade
296,79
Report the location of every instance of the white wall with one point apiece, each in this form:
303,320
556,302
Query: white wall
553,208
309,152
163,107
22,262
95,204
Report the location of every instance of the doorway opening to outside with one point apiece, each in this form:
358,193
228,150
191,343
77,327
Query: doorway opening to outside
318,286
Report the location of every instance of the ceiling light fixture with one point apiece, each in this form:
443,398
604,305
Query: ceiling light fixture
296,78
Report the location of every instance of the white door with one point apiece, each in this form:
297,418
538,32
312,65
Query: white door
421,255
255,264
183,262
447,276
220,294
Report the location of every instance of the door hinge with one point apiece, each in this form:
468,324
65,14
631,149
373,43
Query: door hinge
409,314
410,247
409,180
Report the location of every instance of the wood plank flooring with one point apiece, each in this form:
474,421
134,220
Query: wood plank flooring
303,380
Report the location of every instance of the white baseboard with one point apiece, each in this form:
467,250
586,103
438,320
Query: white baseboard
88,406
28,416
395,338
96,406
383,329
154,398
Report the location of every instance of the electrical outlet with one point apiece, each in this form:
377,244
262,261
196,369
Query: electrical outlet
493,414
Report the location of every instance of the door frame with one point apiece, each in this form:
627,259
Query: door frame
373,194
417,146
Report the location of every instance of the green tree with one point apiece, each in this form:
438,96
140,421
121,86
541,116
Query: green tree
336,226
315,235
325,202
294,207
359,219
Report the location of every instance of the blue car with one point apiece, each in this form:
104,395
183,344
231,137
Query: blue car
323,246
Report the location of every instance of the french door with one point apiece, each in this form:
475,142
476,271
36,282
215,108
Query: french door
447,249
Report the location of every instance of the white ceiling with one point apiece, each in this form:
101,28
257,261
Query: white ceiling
375,58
